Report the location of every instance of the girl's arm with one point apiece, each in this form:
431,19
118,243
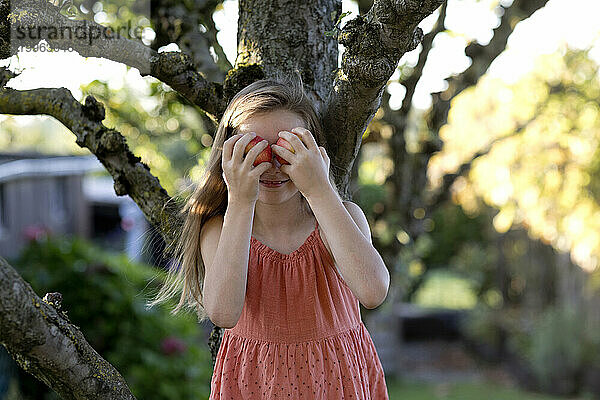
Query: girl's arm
348,237
361,265
225,246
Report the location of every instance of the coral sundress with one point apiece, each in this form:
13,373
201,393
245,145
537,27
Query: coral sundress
300,334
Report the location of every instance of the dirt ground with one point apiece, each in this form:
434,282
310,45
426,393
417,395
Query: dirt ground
442,361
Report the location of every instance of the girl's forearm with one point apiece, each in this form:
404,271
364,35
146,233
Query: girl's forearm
225,285
360,263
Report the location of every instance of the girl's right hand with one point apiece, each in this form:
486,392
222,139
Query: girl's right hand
241,177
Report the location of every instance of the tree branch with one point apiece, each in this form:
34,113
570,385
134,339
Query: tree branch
374,45
131,176
482,57
31,21
211,36
438,197
180,22
408,178
410,82
44,343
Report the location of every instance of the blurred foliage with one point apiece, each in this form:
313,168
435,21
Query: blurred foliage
541,172
542,175
43,135
458,243
453,228
129,18
161,356
375,166
446,289
160,127
404,389
558,348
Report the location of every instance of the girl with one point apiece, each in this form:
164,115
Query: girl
272,254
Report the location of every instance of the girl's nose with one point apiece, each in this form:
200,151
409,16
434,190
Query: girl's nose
275,162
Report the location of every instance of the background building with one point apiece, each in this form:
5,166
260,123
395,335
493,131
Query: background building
66,195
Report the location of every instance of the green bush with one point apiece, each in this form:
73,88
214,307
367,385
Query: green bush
161,356
559,350
487,328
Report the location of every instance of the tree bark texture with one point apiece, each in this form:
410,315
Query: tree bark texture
283,36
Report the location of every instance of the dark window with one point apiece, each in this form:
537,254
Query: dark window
106,229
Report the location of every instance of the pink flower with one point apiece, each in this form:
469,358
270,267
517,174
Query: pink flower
35,232
172,345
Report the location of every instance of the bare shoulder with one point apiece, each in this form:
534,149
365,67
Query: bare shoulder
209,238
359,218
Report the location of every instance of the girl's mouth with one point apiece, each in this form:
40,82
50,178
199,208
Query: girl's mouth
273,183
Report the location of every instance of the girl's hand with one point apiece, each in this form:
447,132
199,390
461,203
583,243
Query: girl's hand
241,178
309,164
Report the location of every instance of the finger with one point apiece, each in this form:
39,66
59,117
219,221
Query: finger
260,169
292,139
283,153
240,146
324,153
284,168
325,157
307,137
250,157
228,146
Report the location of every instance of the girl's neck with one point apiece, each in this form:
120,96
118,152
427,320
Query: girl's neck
272,220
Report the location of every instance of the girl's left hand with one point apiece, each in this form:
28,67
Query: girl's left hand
309,165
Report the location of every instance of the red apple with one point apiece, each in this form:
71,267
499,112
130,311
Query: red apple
265,155
284,143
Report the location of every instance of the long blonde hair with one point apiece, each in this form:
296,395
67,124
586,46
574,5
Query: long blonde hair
210,197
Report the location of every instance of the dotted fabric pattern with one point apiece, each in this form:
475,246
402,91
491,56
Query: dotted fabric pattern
300,335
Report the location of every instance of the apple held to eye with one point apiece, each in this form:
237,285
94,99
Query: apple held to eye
264,156
285,144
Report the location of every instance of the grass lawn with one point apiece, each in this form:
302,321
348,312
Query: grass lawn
406,390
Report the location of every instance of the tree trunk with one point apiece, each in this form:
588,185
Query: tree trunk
284,36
